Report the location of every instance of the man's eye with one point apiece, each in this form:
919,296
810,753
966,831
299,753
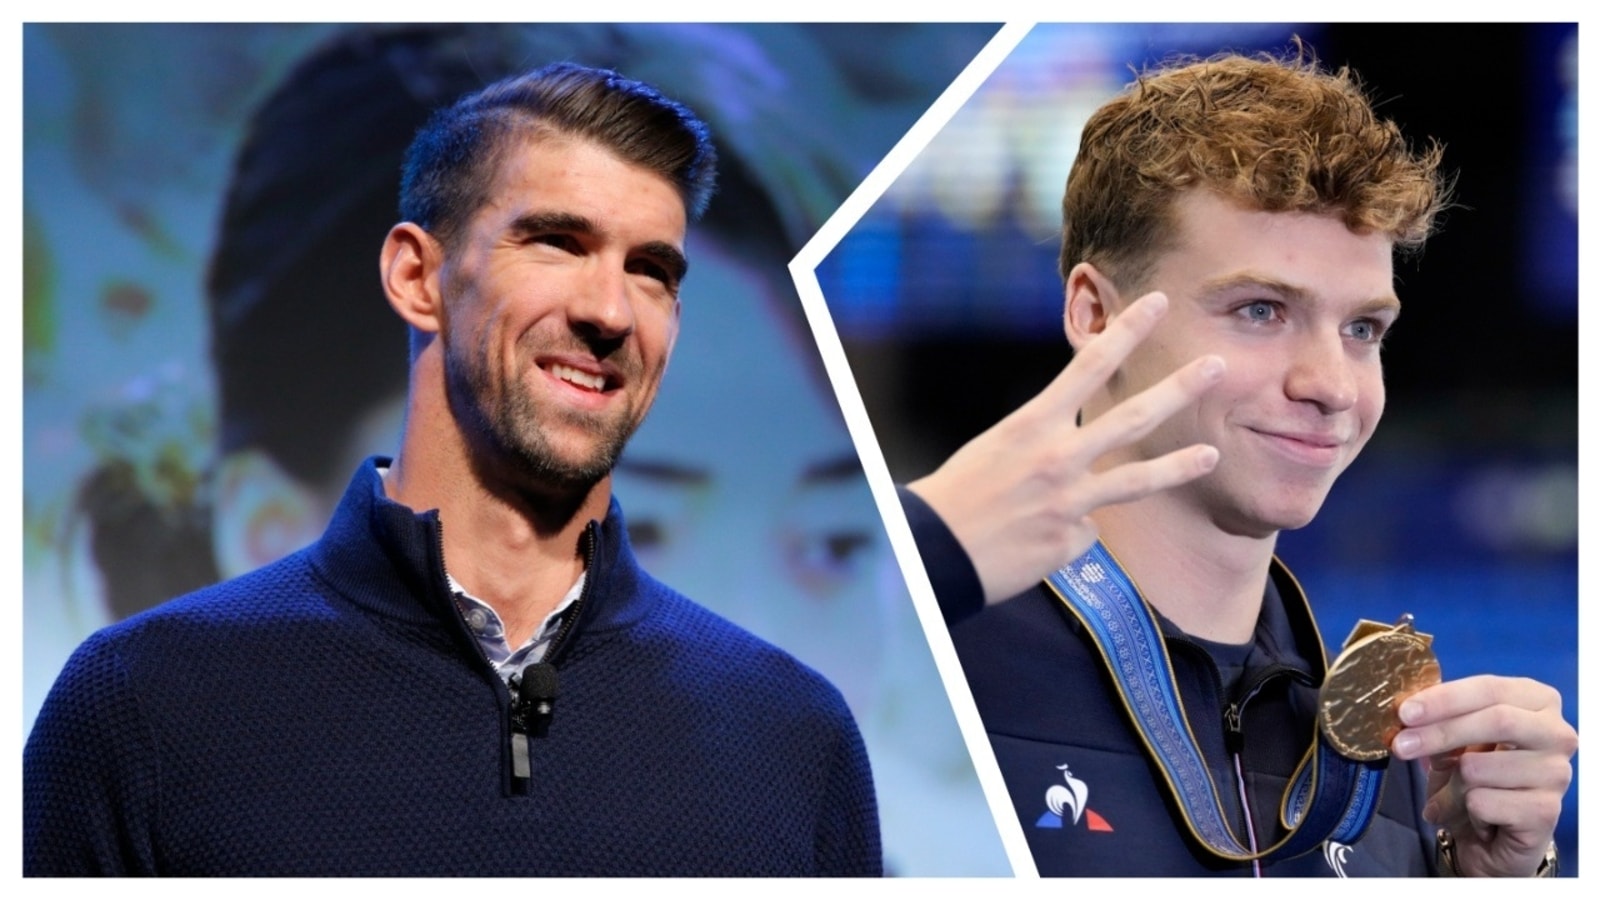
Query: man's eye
1366,331
1259,311
653,270
559,241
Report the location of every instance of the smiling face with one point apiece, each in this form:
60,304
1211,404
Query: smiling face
1297,304
561,308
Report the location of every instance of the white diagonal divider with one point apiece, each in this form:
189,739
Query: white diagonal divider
803,269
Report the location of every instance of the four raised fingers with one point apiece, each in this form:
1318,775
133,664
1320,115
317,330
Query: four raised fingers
1138,415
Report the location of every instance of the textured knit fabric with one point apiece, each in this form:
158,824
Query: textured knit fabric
1047,702
331,714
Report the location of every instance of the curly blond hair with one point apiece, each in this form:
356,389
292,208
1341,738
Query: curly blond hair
1279,134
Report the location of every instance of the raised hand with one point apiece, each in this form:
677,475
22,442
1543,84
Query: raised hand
1018,496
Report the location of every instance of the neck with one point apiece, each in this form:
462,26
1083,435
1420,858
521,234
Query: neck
518,550
1207,581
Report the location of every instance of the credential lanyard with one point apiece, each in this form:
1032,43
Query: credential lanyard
1329,798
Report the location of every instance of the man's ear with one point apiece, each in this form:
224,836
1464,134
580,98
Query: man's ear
409,267
1091,301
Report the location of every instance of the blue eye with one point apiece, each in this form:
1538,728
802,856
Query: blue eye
1367,331
1259,311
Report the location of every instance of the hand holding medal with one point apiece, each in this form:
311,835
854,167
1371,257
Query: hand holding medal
1499,740
1380,666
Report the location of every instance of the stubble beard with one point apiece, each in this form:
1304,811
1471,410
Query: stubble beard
515,431
519,427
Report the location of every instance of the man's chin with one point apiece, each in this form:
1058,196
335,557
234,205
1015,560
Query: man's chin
573,465
1266,523
1260,514
536,465
564,474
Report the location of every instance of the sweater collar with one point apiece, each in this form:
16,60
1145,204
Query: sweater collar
388,558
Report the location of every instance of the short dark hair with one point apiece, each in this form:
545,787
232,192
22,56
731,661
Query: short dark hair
450,165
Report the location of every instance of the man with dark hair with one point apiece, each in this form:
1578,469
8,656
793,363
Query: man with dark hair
449,170
510,694
1227,252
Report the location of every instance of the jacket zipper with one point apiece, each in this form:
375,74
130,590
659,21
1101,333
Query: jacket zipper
1233,739
591,537
530,717
525,719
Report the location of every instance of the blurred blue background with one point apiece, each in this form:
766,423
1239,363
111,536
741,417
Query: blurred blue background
1463,509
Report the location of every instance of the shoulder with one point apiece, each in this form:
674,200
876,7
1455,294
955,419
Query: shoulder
222,627
1032,633
1035,675
281,592
792,737
706,648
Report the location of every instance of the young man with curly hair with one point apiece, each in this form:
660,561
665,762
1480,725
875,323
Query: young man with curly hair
1229,228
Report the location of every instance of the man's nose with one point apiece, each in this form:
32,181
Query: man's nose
603,305
1323,372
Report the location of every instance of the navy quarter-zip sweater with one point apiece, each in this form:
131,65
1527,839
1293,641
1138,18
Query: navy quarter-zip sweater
332,714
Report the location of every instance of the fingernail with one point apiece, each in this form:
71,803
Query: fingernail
1157,303
1208,457
1431,811
1406,745
1410,711
1212,367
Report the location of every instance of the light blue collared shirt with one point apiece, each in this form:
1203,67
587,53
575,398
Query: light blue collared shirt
490,631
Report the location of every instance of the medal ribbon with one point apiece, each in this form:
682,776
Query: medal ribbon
1329,798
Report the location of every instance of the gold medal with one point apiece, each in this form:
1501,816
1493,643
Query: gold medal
1380,666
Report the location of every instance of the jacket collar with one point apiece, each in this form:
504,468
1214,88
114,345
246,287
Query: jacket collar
1287,629
389,559
1286,633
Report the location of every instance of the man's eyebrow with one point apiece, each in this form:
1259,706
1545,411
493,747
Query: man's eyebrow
546,221
1245,280
665,471
844,467
1388,304
542,221
1293,293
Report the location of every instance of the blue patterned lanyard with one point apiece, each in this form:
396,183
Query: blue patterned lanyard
1329,798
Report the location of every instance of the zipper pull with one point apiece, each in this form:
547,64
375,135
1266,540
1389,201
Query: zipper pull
520,767
1233,728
